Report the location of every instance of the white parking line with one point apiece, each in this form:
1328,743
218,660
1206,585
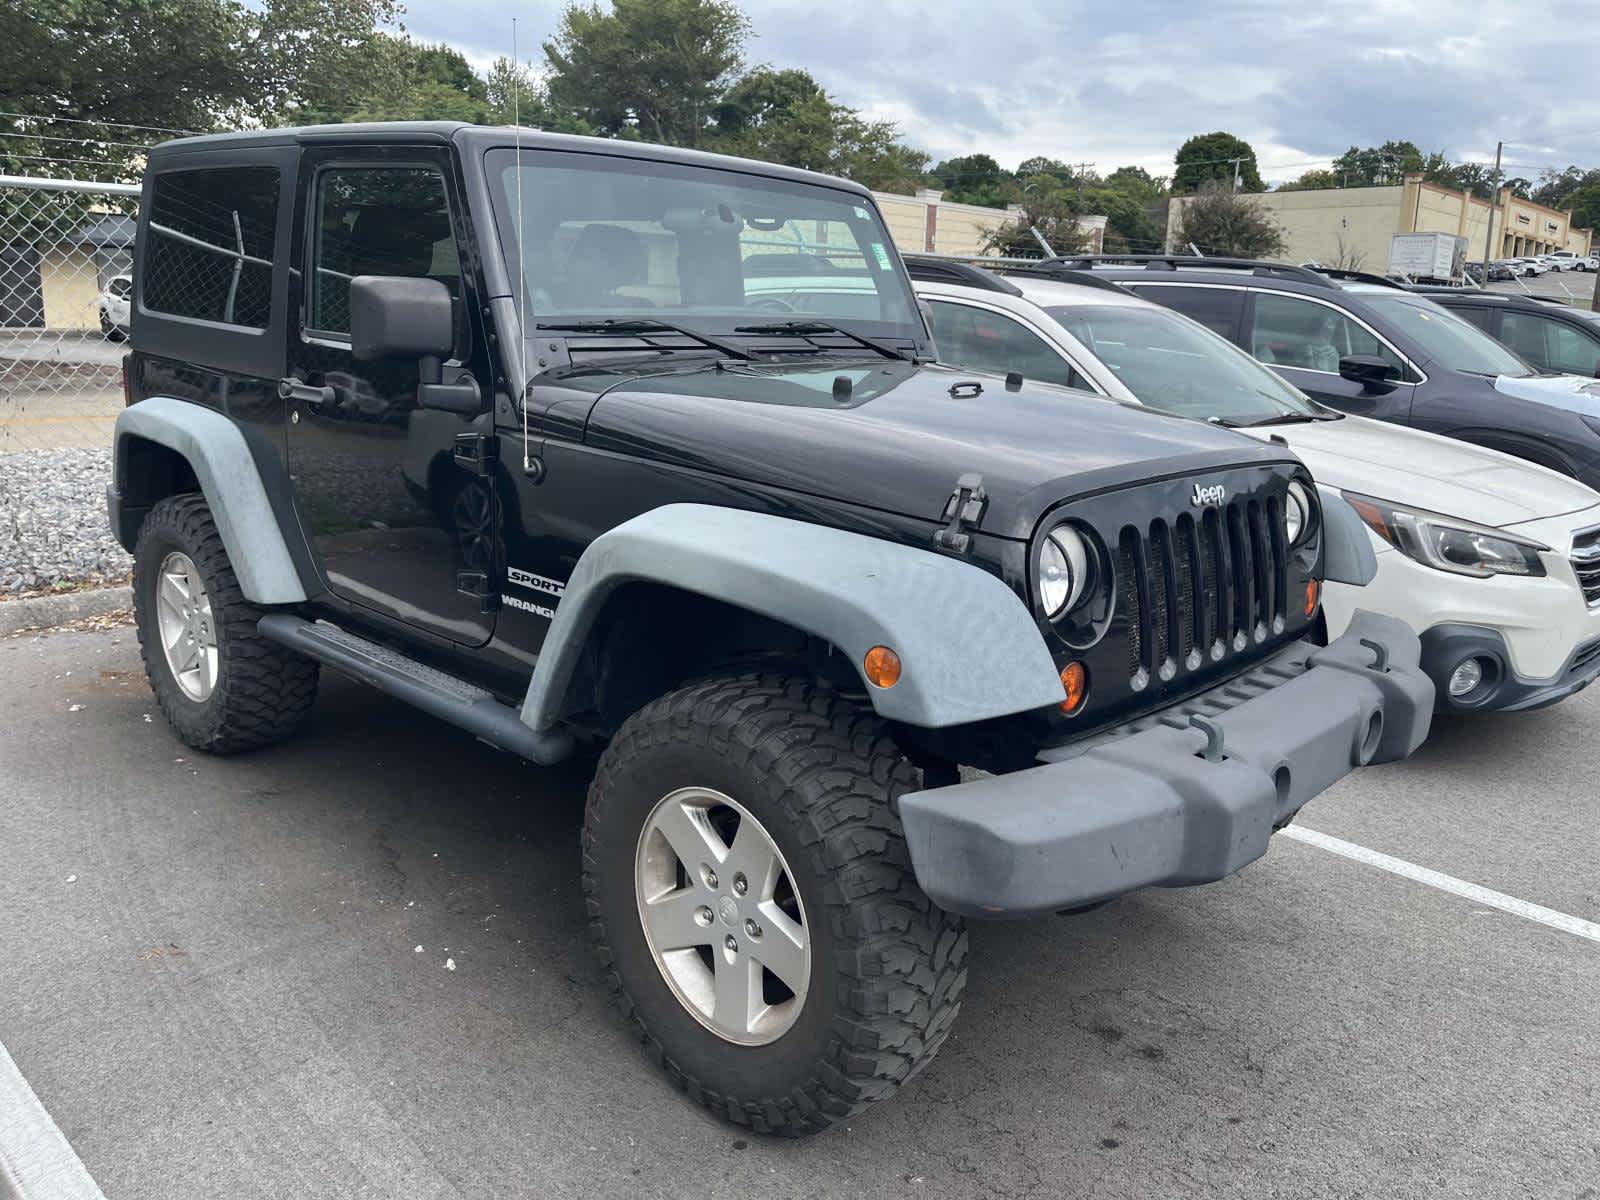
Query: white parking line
1448,883
36,1160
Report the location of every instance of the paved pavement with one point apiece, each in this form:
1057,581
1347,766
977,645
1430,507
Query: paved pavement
208,974
45,420
1573,287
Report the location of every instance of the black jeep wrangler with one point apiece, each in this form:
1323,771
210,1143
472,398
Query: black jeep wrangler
570,441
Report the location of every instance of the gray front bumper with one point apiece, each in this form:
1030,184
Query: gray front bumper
1145,806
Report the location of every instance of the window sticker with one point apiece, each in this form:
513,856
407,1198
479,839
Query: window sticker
882,255
861,213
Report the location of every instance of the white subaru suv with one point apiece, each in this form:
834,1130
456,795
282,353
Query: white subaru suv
1495,562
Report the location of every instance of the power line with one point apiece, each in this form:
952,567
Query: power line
53,120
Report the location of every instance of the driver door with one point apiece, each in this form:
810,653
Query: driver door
398,525
1303,341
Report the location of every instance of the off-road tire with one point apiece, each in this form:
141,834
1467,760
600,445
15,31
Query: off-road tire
889,967
263,691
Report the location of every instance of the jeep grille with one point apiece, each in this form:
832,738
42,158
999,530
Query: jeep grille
1202,588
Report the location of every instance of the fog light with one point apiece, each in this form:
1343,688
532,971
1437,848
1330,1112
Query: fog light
1464,680
1075,682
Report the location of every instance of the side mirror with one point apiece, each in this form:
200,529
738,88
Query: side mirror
398,316
393,316
1374,374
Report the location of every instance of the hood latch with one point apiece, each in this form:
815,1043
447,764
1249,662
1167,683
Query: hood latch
962,511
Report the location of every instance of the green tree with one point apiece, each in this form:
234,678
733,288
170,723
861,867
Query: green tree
1555,186
411,82
651,68
1221,222
1378,166
975,179
515,95
1053,212
1585,206
787,117
1311,181
1208,156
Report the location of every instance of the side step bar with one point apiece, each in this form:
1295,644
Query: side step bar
444,696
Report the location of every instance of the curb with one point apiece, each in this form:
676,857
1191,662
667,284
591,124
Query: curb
43,612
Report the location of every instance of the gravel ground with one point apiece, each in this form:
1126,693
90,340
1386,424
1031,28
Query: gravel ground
53,529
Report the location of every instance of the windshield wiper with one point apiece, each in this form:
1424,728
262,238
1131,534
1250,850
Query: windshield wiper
1288,418
638,325
804,328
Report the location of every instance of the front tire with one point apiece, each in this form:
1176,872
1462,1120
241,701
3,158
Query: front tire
751,897
221,685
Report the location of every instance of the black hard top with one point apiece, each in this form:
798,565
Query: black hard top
1445,295
474,139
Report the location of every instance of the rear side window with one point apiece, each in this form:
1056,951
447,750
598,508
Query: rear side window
986,341
1483,318
1218,309
1286,331
377,221
1550,345
210,245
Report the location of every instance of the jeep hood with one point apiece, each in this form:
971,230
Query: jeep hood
901,435
1442,474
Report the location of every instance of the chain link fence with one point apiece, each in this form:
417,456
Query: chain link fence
66,255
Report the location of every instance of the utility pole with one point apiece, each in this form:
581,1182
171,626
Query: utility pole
1488,237
1082,172
1236,180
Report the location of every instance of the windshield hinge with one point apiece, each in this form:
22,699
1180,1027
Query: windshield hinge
962,511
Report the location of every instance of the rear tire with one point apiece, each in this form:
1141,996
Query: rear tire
785,772
222,686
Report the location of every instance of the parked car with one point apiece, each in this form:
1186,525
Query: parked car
1493,561
1552,336
1365,345
785,573
1530,266
1571,261
1498,272
113,306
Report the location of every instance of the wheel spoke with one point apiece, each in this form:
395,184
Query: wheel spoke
781,947
671,920
754,855
690,835
171,594
738,993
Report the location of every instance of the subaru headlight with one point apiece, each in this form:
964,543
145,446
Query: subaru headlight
1063,570
1449,543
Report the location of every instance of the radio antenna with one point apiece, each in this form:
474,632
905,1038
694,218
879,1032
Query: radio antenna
522,251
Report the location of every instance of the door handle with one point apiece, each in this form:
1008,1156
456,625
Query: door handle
291,388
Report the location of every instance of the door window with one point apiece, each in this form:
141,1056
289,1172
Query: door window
986,341
377,221
1550,345
1483,318
1286,331
1218,309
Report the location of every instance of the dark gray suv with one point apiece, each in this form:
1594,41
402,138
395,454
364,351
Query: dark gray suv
1366,345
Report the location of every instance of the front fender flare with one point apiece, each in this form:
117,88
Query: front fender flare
970,648
216,450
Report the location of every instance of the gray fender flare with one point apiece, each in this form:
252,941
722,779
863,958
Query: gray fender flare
969,645
216,450
1347,554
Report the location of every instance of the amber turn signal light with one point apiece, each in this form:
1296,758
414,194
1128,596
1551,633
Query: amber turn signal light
1075,682
1311,596
881,667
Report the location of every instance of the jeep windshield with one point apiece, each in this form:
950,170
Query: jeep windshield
613,246
1171,363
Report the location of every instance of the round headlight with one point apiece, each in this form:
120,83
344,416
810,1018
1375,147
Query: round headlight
1063,570
1296,513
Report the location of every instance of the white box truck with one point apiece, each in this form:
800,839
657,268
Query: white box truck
1434,256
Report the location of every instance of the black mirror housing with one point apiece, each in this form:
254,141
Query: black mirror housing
396,316
1371,372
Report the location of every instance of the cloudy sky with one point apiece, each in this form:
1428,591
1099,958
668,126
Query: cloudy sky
1125,81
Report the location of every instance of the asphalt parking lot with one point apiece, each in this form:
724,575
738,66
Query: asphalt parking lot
1572,287
229,978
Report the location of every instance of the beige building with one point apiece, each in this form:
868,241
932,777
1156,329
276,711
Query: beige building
1351,227
927,223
